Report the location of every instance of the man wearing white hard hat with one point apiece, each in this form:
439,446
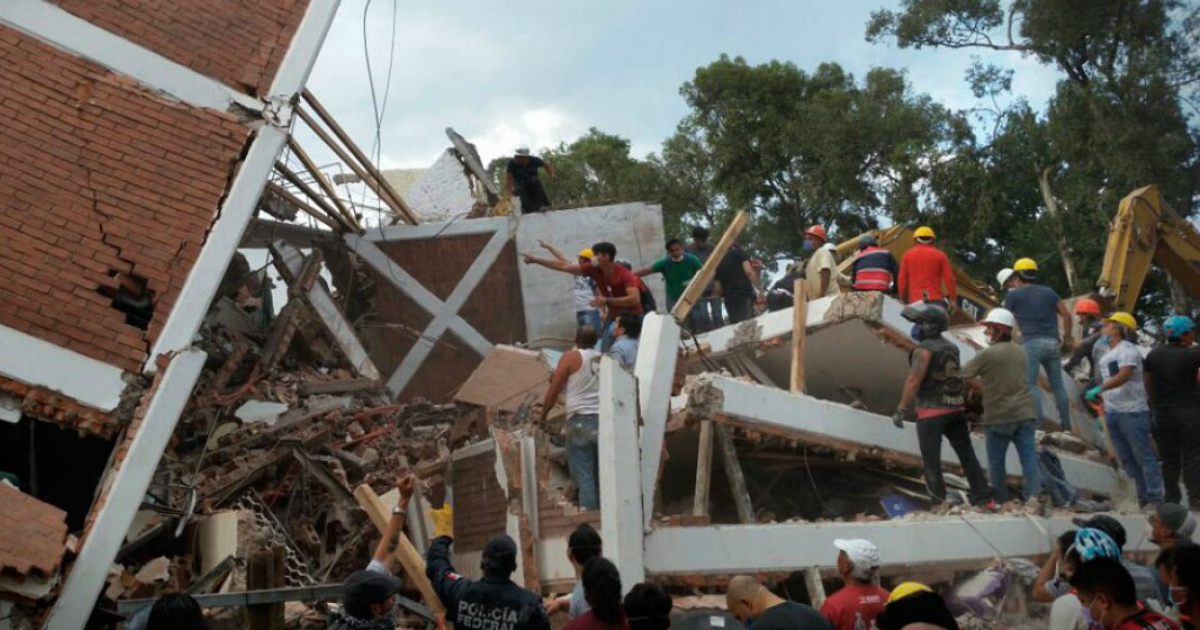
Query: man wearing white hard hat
1006,279
1008,411
521,175
861,600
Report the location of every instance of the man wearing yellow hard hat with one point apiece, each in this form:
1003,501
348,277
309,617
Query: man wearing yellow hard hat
1127,408
925,271
1039,310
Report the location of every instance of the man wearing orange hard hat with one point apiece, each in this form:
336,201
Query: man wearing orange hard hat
821,271
1087,315
924,270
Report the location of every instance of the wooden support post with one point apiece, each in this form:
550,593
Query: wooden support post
703,469
696,287
816,588
358,153
327,187
410,559
799,332
265,571
737,479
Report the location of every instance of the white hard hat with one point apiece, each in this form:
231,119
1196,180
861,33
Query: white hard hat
522,150
863,554
1004,275
1000,317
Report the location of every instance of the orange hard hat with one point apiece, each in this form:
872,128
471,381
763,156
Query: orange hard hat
817,231
1087,306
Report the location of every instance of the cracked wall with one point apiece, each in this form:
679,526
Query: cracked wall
102,179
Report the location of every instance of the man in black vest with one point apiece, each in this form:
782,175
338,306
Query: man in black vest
491,603
933,398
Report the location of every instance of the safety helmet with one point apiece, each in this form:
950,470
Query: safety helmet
1124,319
1003,275
587,253
1025,264
522,150
924,232
817,231
907,588
1087,306
1091,543
1000,317
1177,326
931,319
866,241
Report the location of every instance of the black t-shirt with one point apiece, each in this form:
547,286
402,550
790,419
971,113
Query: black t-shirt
1172,369
731,275
525,174
791,616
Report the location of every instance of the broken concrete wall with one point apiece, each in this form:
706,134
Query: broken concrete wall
443,192
635,228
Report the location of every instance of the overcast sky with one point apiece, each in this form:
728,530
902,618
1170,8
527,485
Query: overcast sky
504,74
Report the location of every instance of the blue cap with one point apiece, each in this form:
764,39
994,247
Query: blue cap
1177,326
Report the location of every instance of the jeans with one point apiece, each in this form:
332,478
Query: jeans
1020,434
583,458
606,339
929,436
1177,433
588,318
1130,433
739,307
1042,352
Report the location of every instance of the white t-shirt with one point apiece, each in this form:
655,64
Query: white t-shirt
1131,396
583,292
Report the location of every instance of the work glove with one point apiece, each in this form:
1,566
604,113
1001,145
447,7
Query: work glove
443,521
1094,393
899,417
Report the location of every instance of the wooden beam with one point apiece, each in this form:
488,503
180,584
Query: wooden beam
327,187
696,287
409,557
358,153
703,469
733,471
294,179
799,332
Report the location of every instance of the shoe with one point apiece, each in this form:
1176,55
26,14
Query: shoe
991,507
1034,506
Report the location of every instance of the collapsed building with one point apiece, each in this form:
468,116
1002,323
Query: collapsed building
222,444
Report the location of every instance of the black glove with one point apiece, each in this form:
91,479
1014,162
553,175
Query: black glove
899,417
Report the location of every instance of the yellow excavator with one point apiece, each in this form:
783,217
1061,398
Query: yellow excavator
1147,230
975,298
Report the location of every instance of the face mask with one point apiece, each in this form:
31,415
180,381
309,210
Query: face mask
808,246
916,332
1106,339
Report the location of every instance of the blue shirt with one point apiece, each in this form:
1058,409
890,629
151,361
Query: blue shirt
1036,309
625,350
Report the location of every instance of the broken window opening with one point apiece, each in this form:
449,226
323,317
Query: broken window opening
131,296
34,451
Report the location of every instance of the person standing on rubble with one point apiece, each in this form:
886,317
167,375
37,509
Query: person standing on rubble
578,372
494,601
1008,416
678,268
821,270
753,603
925,272
583,291
1170,374
619,288
369,602
933,398
706,314
874,268
861,600
521,179
1087,315
738,284
1036,308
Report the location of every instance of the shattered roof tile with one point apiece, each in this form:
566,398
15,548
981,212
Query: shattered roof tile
32,534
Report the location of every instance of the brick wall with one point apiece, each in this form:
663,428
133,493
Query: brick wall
97,176
480,508
239,42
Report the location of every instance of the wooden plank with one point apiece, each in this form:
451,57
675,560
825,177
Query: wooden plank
799,332
703,470
410,559
265,571
701,279
733,471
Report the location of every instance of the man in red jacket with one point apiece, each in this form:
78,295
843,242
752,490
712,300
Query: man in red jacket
923,271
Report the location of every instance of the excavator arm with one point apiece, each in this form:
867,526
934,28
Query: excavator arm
1147,231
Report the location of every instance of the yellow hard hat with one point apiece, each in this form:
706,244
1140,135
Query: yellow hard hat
924,232
1124,319
906,589
1025,264
587,253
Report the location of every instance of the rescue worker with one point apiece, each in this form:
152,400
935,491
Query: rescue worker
925,272
874,268
858,603
1035,306
1087,315
492,602
1107,593
1005,279
821,269
578,373
521,178
933,398
1170,374
999,372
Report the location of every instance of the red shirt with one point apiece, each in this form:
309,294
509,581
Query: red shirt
923,270
589,621
855,607
1146,620
622,282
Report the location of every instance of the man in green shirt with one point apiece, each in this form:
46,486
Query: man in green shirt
677,268
1008,412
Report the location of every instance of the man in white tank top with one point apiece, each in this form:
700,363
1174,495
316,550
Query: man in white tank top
578,372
